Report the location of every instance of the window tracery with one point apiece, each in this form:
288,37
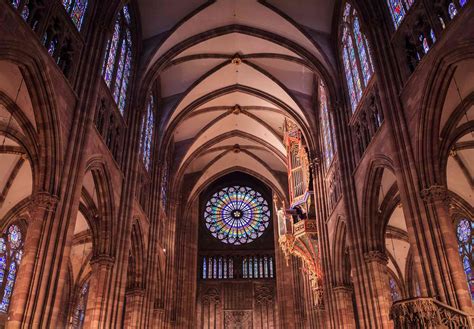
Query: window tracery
147,132
237,215
76,10
464,232
11,252
357,61
118,59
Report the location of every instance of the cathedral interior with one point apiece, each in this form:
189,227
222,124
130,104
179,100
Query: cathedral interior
236,164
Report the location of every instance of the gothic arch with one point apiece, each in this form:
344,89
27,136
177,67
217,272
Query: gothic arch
105,206
434,96
41,92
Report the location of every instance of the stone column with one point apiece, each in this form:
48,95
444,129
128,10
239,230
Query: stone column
99,285
376,262
446,279
42,208
134,308
158,317
344,306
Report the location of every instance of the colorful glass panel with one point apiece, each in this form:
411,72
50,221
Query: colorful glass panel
462,2
452,10
394,290
365,62
76,10
397,11
118,60
147,133
11,244
204,268
326,126
237,215
350,82
271,267
464,232
15,3
231,268
80,308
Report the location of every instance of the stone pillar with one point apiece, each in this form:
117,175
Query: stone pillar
42,208
158,318
98,288
447,280
376,262
134,308
344,306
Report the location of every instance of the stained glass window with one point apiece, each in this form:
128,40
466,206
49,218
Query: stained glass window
326,126
357,61
118,59
80,309
147,132
204,268
398,10
76,10
462,2
15,3
11,251
237,215
394,289
464,232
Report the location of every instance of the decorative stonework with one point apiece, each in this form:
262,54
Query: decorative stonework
42,202
427,313
212,295
103,260
264,294
240,319
435,193
376,256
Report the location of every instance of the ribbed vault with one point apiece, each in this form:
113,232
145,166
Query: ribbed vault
229,74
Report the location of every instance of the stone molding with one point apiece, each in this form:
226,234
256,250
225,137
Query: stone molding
376,256
42,202
435,193
103,260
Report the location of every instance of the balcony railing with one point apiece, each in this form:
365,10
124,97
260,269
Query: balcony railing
424,312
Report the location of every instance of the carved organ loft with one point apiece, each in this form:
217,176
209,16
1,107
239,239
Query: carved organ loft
236,164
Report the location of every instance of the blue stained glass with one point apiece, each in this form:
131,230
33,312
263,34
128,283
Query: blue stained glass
265,266
394,291
255,267
363,54
10,257
26,12
350,82
147,133
111,55
209,268
214,268
231,268
119,75
244,268
397,11
15,3
465,237
225,268
326,127
355,71
452,10
126,13
347,12
204,268
462,2
76,10
250,263
271,267
126,77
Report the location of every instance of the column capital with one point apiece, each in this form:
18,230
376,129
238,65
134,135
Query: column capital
103,260
42,202
435,193
343,289
376,256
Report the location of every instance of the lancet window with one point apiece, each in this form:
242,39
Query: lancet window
357,61
118,59
326,126
147,132
464,232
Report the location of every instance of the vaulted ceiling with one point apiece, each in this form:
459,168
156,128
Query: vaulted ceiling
230,72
